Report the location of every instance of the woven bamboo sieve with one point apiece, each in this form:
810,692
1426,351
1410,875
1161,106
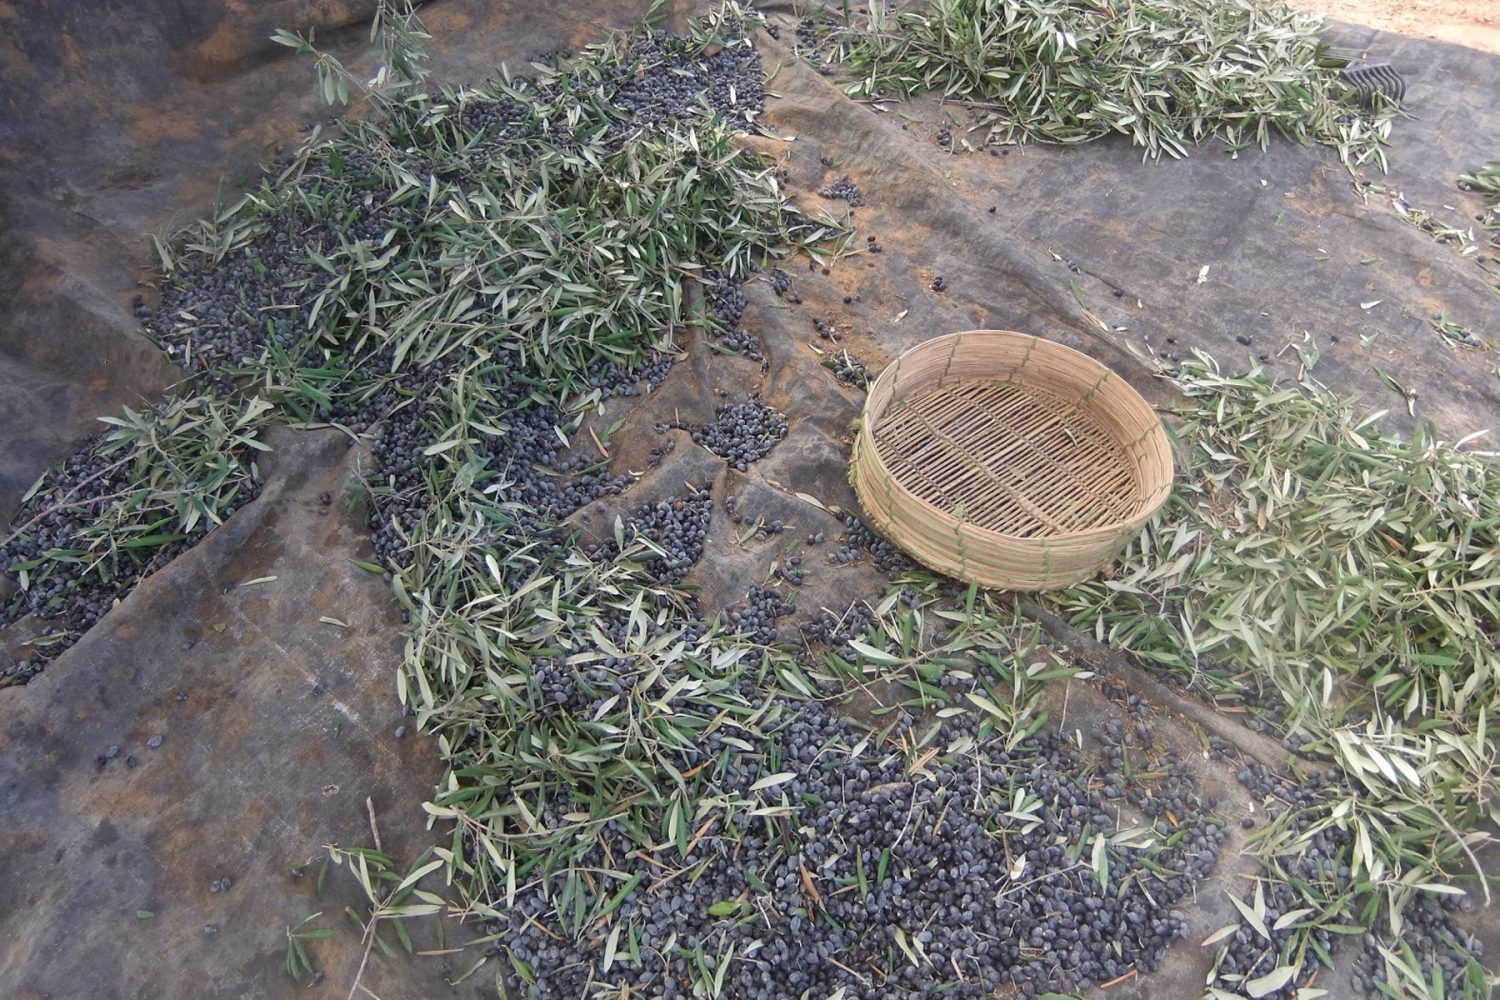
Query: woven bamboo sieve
1008,460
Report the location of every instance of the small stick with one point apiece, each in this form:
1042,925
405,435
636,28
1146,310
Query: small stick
374,828
922,761
67,506
63,505
701,831
668,878
1045,875
364,960
937,828
808,886
851,972
1118,979
533,922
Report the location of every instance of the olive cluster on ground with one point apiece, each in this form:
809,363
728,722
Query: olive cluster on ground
883,877
219,317
847,860
742,433
71,579
1440,945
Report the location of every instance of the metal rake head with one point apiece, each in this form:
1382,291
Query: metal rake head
1374,78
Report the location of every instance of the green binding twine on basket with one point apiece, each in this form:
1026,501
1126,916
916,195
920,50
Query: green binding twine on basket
958,339
963,549
1090,394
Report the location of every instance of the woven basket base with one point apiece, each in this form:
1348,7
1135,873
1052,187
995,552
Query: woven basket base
1007,457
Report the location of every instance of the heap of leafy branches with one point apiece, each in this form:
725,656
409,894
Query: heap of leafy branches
1168,74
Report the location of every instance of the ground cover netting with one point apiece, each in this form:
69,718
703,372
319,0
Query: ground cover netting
458,278
1331,578
375,265
122,507
650,794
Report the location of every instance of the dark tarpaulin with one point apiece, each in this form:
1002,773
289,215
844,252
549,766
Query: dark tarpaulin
119,121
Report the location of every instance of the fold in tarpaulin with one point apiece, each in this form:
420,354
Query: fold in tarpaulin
116,124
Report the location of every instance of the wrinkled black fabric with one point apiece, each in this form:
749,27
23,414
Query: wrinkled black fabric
119,121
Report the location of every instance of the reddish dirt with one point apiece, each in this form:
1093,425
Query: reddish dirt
1475,23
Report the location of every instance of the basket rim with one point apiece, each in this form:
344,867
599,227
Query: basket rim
1153,494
